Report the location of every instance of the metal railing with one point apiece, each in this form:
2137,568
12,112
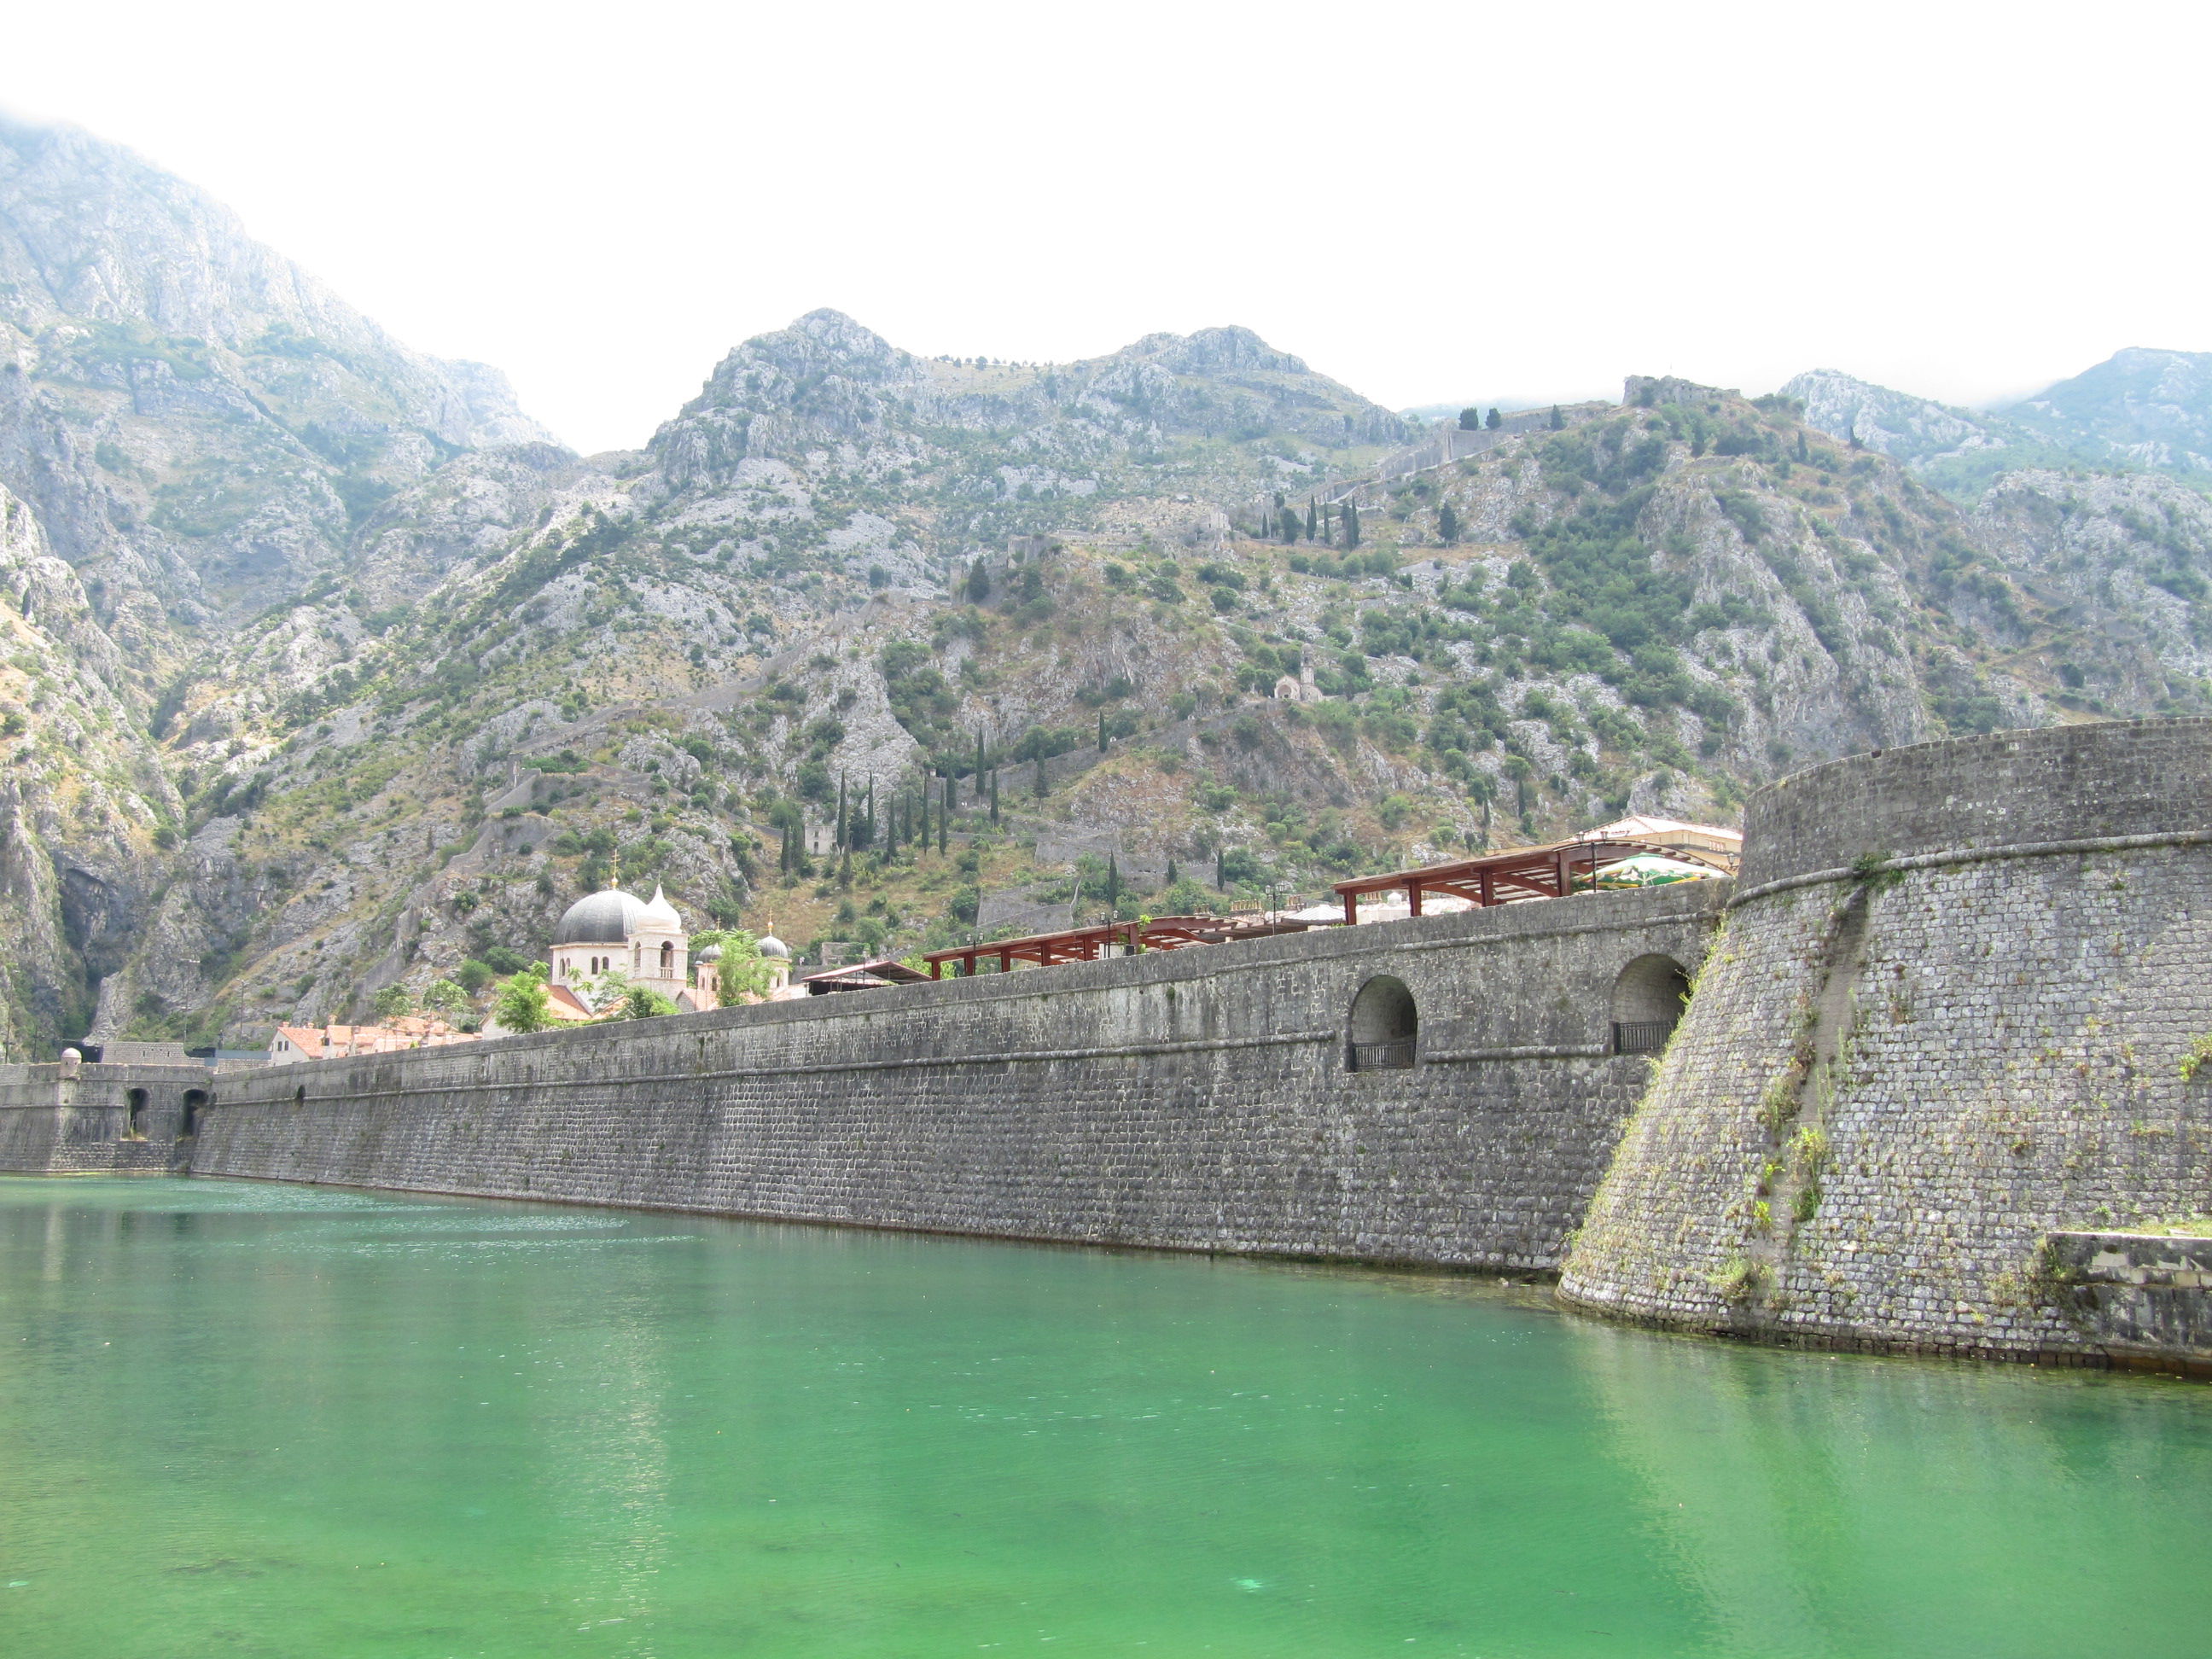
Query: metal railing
1642,1037
1382,1056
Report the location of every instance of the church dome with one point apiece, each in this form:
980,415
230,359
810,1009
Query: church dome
770,945
712,953
658,915
608,917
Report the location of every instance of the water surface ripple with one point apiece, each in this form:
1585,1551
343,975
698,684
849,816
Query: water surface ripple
246,1419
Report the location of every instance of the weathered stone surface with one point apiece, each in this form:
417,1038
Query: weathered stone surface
2139,1293
1893,1081
1194,1100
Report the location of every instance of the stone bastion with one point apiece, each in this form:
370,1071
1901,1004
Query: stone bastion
1938,1045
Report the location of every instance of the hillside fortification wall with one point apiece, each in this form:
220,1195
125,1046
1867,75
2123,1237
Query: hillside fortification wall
1201,1099
1945,1021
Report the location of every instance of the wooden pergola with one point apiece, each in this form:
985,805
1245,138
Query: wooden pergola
1128,938
1552,871
860,977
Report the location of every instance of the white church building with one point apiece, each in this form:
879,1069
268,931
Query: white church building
643,939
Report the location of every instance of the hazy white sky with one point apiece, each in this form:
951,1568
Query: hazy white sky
1430,202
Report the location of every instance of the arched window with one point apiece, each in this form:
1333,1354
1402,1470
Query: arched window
667,959
134,1121
1647,1003
1385,1025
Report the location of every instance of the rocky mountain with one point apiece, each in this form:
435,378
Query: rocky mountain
2138,410
331,672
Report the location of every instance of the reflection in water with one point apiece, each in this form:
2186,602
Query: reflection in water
1839,1503
239,1417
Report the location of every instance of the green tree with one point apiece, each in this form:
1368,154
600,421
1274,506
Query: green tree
1447,524
446,999
743,968
392,1002
523,1004
1352,524
643,1002
1558,421
1313,523
1470,420
1493,419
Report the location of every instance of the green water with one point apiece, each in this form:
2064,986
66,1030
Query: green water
248,1419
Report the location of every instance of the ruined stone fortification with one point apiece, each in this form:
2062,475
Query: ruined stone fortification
1929,1093
1945,1019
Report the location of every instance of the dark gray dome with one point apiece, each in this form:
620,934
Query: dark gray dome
712,953
602,918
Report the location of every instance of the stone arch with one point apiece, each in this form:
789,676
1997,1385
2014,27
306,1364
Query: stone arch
1385,1025
134,1113
196,1101
1648,998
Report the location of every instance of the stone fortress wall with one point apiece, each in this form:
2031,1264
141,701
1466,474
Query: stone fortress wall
1198,1099
1930,1081
1936,1048
100,1119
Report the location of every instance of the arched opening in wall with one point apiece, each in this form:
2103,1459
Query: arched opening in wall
134,1116
667,959
196,1101
1385,1026
1648,998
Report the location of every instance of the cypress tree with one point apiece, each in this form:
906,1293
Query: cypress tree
994,796
1102,730
1558,421
1352,524
944,818
1447,524
1171,873
840,839
1313,523
979,763
1219,861
1113,885
1493,419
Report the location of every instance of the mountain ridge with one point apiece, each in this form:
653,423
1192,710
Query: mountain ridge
329,680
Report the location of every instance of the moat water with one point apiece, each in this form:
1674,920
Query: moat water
239,1418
